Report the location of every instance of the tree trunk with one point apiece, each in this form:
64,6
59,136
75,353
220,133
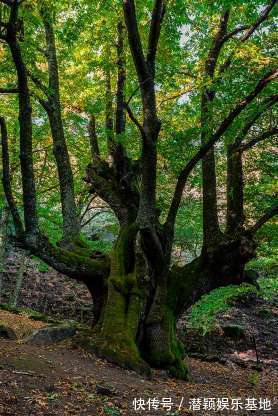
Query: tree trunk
6,180
235,214
136,325
109,123
3,241
19,281
159,345
116,330
211,230
25,134
71,225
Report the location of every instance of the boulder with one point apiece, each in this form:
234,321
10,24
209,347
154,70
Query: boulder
7,333
105,390
50,335
233,331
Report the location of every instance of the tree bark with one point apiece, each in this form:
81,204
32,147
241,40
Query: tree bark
95,152
71,225
211,229
7,181
120,118
25,125
234,192
109,123
19,281
3,245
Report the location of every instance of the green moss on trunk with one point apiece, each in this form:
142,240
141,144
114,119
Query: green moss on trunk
161,348
115,336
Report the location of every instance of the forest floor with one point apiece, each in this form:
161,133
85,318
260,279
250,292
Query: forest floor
60,380
63,380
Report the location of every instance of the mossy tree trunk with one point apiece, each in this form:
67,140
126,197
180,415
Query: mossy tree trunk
137,324
116,331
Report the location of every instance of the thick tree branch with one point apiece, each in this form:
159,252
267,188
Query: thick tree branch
265,135
151,124
218,42
77,265
109,122
265,105
211,228
266,217
9,90
25,123
156,23
135,40
71,226
7,180
235,32
263,16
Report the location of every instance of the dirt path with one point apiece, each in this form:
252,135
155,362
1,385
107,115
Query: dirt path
60,380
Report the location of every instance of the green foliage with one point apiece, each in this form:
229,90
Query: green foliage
203,313
103,246
267,252
188,230
112,411
41,265
254,378
268,288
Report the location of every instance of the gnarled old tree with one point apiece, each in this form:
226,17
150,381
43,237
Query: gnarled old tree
138,295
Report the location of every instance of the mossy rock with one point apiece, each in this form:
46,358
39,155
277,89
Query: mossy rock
38,316
51,335
234,331
7,333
